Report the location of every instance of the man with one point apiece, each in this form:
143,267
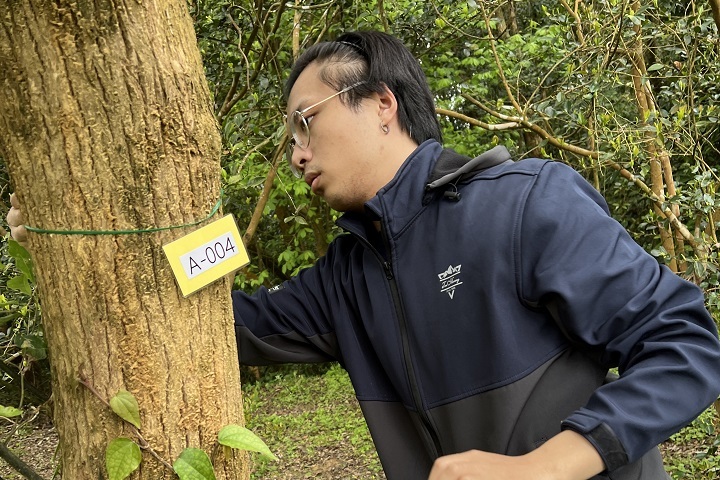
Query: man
476,304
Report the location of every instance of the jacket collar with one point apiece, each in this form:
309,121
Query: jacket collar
398,202
428,171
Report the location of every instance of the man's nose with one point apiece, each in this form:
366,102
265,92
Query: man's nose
300,156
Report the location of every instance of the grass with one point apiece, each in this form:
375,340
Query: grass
310,419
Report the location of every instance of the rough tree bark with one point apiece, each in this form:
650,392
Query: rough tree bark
106,124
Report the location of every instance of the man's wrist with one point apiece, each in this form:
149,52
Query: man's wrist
567,456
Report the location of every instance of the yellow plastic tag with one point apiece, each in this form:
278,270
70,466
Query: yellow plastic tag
207,254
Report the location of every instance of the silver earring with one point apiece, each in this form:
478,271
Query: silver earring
384,128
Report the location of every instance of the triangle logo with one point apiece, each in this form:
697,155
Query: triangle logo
450,280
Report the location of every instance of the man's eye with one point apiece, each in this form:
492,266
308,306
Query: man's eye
308,119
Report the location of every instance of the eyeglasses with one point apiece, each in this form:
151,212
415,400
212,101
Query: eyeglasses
300,128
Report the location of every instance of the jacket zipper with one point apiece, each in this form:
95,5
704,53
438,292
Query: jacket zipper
399,311
414,387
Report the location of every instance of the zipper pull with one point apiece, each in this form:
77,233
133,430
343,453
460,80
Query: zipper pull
388,270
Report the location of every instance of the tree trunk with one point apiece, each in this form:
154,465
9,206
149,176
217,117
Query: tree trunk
660,167
715,5
106,124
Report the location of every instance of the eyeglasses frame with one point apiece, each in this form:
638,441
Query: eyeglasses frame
293,137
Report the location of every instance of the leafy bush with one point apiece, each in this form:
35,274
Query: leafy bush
692,453
24,368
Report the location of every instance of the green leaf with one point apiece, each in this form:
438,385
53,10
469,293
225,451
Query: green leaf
21,284
194,464
234,179
122,457
23,262
235,436
255,181
126,407
296,218
655,66
9,412
32,345
5,319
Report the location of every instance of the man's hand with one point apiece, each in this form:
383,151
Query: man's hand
477,465
566,456
16,221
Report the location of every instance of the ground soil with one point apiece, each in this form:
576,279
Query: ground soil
34,443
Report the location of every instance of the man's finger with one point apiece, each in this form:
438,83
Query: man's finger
16,221
14,202
15,218
19,233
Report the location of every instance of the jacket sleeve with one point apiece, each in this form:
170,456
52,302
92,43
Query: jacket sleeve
288,323
613,299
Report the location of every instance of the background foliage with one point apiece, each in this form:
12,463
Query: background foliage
545,79
625,91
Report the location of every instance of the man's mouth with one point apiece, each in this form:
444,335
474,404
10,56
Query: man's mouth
311,180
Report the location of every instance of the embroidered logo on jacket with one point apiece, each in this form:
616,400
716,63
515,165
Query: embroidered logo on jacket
449,280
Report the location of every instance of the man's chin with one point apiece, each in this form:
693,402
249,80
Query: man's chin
336,203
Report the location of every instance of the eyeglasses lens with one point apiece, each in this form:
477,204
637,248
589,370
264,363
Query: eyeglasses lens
289,147
300,130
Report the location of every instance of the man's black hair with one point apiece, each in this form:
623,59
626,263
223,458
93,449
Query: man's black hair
378,60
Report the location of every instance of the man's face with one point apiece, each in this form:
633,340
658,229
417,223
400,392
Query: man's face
340,161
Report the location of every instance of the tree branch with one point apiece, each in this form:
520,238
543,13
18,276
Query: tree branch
383,17
478,123
265,195
228,105
715,4
17,464
497,62
583,152
578,23
560,144
661,205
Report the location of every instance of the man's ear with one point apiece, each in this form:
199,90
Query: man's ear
387,106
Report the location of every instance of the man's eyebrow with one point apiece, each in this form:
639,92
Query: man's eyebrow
302,104
298,107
